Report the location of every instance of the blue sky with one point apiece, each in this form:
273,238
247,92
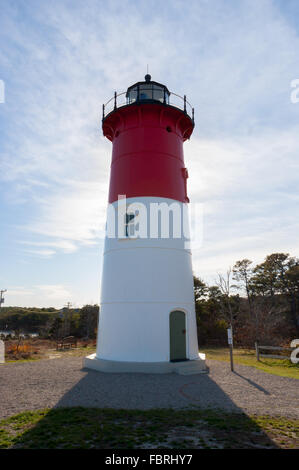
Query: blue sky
60,60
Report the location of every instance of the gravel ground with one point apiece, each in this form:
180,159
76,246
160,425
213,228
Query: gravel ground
62,382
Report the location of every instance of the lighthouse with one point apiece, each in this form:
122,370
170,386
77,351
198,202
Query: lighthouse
147,317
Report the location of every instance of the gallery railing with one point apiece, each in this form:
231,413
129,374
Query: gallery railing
134,97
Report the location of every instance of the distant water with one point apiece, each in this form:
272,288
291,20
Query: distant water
12,334
6,333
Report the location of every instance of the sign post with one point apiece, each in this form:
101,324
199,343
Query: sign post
230,342
2,352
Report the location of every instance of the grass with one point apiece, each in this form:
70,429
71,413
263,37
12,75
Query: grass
246,357
70,428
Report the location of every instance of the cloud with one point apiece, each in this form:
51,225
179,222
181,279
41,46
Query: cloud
42,253
234,62
20,291
54,291
236,179
63,245
73,217
43,295
248,190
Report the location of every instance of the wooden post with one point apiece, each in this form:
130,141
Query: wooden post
257,351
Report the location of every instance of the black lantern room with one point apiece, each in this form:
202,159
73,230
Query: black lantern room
147,91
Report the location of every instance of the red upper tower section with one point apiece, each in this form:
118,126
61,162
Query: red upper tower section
147,131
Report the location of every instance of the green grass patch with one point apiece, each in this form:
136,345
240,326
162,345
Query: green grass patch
246,357
70,428
20,361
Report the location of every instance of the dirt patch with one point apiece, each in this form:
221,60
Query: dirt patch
36,348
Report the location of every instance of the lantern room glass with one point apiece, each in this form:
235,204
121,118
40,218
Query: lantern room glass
148,92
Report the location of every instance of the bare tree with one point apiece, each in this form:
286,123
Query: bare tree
243,274
224,285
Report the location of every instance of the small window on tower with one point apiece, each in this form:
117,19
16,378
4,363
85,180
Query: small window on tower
130,225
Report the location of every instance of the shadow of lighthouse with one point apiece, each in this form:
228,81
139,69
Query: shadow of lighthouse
122,393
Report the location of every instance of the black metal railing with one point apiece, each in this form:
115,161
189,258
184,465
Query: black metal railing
158,95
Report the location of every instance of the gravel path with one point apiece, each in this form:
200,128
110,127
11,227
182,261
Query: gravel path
63,382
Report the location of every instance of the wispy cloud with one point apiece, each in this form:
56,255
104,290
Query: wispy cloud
42,295
235,62
54,291
64,245
20,291
42,253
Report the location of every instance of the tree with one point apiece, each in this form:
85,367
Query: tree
210,322
269,276
224,286
200,289
56,328
292,281
242,273
89,320
278,276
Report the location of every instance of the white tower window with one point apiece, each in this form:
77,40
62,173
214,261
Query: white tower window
130,224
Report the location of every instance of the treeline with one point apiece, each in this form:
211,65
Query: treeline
261,302
50,322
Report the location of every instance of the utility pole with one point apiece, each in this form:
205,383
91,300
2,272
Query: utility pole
1,296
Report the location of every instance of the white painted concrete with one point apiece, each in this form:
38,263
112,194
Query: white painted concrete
143,280
193,367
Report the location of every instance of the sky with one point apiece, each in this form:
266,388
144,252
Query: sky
61,59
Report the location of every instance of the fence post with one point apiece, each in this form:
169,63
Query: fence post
257,351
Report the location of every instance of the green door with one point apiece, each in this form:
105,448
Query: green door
177,326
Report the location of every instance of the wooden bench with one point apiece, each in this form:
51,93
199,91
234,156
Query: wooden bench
67,343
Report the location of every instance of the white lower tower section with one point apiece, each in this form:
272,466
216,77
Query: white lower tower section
147,275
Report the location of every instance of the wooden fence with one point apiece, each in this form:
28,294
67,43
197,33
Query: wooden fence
271,348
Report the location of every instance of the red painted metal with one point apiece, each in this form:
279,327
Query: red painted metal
147,156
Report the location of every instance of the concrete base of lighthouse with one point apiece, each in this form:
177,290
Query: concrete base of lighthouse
195,366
